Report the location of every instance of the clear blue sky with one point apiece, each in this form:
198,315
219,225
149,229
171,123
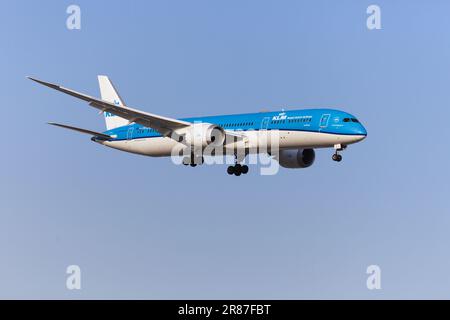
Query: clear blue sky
144,228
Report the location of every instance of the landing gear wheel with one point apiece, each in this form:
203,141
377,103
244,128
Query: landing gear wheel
197,160
237,169
336,157
193,160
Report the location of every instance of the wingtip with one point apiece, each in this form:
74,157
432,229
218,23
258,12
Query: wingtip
45,83
32,79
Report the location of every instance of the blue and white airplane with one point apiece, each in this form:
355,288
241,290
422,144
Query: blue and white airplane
298,132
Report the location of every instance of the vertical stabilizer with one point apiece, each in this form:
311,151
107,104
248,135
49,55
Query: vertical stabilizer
108,93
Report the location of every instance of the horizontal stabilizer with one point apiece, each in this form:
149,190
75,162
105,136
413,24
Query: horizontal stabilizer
93,133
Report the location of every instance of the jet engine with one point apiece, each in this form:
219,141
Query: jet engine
301,158
202,135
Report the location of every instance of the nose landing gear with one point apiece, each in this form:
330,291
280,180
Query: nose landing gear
336,156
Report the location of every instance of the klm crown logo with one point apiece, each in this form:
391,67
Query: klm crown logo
281,116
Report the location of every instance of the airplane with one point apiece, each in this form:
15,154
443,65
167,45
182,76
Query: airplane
296,133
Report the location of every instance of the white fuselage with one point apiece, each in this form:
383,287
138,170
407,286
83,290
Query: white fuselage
256,140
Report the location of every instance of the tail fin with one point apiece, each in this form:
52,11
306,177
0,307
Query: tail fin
109,93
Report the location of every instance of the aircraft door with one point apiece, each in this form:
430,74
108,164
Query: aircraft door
130,133
324,120
265,123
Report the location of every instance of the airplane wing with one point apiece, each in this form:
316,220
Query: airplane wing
164,125
93,133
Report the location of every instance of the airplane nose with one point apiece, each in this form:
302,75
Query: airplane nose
363,131
359,133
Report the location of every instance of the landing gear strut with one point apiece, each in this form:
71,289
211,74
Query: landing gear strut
336,156
237,169
193,160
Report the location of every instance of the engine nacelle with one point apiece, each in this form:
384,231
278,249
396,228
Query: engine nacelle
301,158
202,135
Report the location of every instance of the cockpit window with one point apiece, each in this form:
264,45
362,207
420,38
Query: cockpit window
346,119
355,120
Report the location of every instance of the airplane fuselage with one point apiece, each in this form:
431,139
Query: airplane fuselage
308,128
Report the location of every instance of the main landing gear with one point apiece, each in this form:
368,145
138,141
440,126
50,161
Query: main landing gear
237,169
193,160
336,156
